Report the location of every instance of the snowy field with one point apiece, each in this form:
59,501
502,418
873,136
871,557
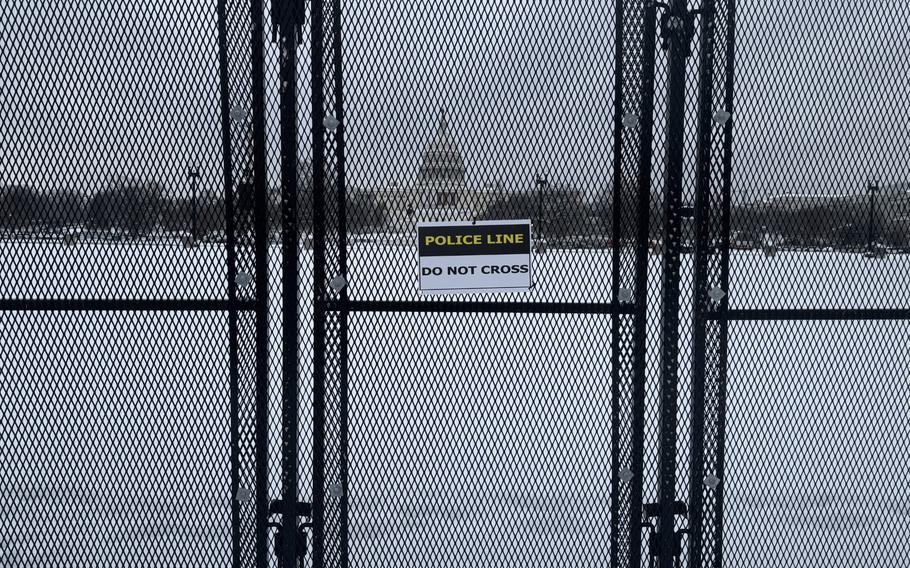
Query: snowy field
475,439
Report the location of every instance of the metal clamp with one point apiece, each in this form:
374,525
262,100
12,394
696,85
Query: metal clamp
652,511
677,24
288,11
280,507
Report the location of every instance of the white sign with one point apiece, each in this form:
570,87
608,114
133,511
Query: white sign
477,257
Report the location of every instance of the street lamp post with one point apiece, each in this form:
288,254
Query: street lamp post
193,175
872,187
541,182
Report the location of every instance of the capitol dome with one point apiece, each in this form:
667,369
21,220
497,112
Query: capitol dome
441,162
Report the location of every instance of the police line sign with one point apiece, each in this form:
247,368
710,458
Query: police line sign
483,256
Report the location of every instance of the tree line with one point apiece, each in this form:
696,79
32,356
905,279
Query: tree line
127,209
138,209
134,210
557,211
843,224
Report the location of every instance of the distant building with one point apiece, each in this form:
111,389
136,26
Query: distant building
841,220
440,193
896,193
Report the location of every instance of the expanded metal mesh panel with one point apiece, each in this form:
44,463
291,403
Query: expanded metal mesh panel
818,224
822,167
461,113
111,144
474,445
817,454
46,268
116,439
130,397
486,111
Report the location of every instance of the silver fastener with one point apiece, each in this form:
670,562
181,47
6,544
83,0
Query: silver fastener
630,120
243,279
243,495
338,283
331,123
716,294
722,116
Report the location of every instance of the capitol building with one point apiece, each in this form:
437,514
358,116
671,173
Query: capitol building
440,193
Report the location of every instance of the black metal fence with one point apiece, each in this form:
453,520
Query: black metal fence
214,349
133,427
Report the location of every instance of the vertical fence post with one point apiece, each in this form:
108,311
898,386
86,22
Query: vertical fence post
260,213
290,240
634,92
230,234
669,361
640,333
317,109
726,199
343,313
703,249
616,522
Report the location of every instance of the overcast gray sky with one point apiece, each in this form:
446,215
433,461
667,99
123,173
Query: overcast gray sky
98,89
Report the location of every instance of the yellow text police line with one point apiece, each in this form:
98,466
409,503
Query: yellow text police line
469,240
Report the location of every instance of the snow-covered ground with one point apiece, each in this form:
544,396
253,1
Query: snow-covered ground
475,439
